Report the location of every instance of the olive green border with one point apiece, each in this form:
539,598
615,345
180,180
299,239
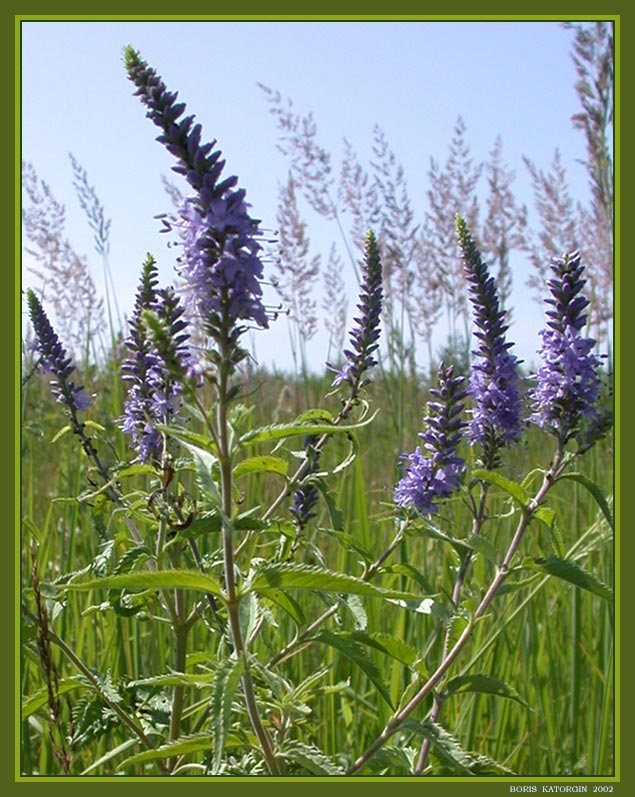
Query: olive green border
10,16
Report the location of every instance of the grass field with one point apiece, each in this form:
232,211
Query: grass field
548,641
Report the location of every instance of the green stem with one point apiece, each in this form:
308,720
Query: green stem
233,598
456,599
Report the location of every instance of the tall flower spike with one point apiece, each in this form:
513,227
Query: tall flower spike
54,358
496,416
155,373
435,474
220,267
364,336
568,384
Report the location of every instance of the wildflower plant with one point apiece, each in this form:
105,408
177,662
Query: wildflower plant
248,609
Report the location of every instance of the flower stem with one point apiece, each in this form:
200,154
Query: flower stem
393,724
233,598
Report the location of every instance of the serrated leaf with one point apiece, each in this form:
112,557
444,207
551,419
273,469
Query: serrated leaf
452,755
310,758
298,576
261,464
485,684
279,431
393,759
161,579
447,748
595,491
131,557
350,648
355,606
512,488
570,571
225,684
457,625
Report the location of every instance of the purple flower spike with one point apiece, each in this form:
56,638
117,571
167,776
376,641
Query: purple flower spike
496,416
435,473
221,268
54,359
155,368
364,336
568,383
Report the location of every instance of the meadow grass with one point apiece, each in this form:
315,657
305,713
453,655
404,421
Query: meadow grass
552,642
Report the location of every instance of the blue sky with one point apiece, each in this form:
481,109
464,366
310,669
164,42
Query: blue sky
411,78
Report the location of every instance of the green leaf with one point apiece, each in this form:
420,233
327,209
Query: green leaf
447,748
287,604
483,546
355,606
162,579
39,699
431,531
513,489
204,462
186,745
485,684
350,648
136,470
569,571
298,576
279,431
335,514
193,680
61,433
403,569
225,685
94,425
547,516
452,755
310,758
392,761
186,436
595,491
392,646
348,542
263,464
